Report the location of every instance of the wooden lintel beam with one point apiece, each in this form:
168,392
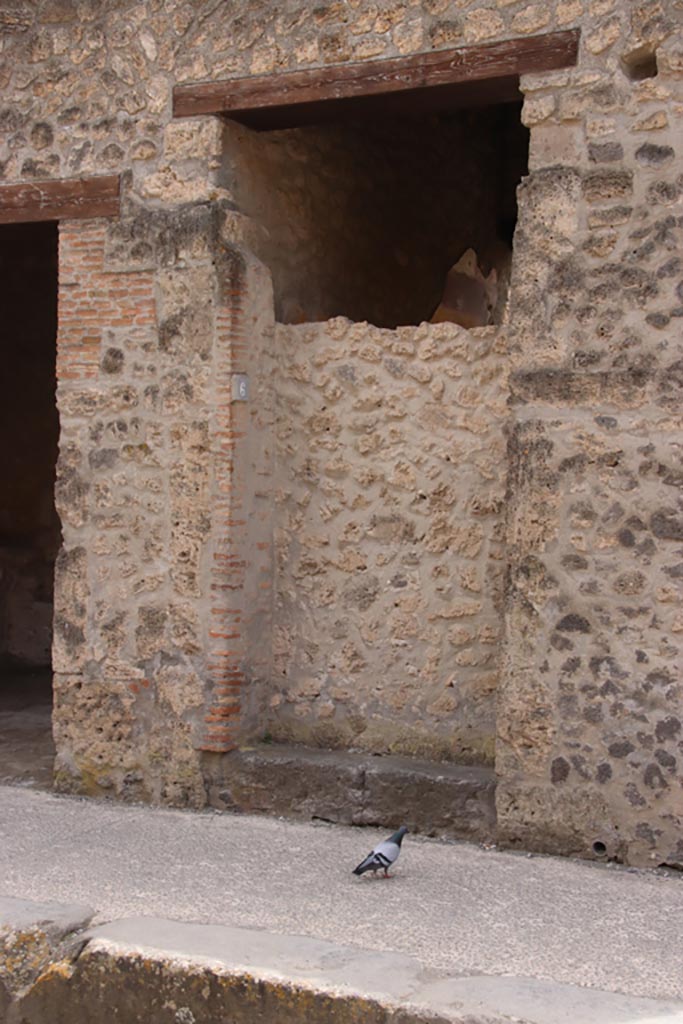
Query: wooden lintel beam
410,103
60,199
530,54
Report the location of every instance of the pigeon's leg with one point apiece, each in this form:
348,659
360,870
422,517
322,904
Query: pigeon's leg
386,874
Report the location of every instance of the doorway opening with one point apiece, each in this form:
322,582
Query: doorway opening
362,219
30,533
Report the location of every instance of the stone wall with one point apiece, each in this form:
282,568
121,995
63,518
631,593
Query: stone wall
157,653
388,533
159,615
589,722
139,410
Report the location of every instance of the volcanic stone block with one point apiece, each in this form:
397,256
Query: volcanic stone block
356,789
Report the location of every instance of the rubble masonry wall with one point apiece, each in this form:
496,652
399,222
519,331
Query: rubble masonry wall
589,708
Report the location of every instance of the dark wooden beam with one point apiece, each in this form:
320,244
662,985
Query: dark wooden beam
411,103
300,97
60,199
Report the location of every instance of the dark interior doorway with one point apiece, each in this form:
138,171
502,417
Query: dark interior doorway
365,218
29,526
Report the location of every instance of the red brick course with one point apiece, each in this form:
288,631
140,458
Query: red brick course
91,298
227,573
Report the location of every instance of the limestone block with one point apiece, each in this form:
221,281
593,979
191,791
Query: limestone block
184,304
652,122
71,487
93,730
150,632
552,144
408,37
598,126
194,139
555,80
185,628
604,36
549,199
168,185
537,109
482,24
532,18
71,600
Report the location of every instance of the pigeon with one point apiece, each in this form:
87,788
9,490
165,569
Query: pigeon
383,856
468,296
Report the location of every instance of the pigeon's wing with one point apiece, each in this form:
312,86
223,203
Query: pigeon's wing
369,864
382,857
387,852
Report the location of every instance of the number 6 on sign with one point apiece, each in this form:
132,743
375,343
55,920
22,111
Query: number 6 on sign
240,387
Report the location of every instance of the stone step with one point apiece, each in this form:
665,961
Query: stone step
436,799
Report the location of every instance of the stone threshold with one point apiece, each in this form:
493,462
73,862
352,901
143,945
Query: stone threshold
435,799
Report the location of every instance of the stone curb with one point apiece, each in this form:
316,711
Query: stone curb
141,969
32,936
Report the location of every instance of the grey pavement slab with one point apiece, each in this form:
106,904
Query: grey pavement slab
454,908
54,919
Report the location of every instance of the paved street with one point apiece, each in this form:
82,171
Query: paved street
456,908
